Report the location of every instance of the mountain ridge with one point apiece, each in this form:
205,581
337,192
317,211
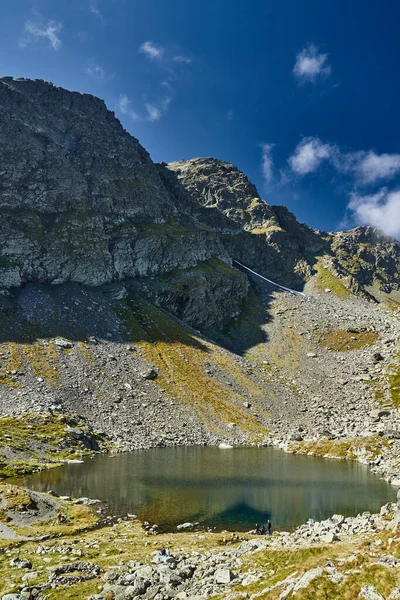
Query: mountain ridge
120,301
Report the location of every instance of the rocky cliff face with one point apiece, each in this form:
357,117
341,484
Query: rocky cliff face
272,241
82,201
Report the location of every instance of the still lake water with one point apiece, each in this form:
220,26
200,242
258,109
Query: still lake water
232,489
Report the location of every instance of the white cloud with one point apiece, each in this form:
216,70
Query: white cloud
310,65
367,167
309,155
35,32
96,71
151,50
182,59
381,210
371,167
267,164
153,111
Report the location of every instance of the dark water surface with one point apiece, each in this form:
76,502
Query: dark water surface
230,489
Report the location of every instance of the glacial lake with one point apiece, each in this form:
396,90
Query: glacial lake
228,489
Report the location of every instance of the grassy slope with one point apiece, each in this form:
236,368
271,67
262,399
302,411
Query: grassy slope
40,441
192,369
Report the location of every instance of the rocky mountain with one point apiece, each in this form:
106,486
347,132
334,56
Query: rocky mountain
121,300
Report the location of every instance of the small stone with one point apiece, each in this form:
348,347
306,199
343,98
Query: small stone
150,374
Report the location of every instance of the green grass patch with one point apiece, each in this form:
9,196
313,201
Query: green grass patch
326,280
343,341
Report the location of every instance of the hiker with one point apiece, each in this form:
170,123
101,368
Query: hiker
256,530
61,518
262,530
269,527
163,552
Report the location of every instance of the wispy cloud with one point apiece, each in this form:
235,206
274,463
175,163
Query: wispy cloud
95,71
124,106
94,10
153,111
309,155
168,61
381,210
182,59
267,164
310,65
34,32
152,50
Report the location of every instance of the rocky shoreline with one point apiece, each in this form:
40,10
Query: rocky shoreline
232,573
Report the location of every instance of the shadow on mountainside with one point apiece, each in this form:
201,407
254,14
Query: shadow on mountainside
79,313
247,329
110,312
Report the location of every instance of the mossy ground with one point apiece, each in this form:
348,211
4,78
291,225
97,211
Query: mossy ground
394,381
342,340
36,442
327,280
349,449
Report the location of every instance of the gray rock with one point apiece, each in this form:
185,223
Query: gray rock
368,592
185,526
223,576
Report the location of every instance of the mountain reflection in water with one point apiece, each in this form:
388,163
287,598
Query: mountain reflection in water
230,489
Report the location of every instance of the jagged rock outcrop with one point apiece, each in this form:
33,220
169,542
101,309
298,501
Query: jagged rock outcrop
218,184
273,242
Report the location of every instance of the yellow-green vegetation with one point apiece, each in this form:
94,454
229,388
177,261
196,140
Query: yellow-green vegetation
383,579
263,230
14,498
12,364
181,359
85,351
349,449
394,381
277,565
35,442
327,280
342,340
44,360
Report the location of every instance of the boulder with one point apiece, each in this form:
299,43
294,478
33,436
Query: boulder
307,578
377,413
223,576
185,526
368,592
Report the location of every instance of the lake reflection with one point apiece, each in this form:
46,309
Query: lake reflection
230,489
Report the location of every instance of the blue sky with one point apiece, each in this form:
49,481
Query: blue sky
302,96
